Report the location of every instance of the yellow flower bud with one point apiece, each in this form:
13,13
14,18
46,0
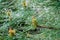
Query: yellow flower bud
8,12
24,3
12,32
34,21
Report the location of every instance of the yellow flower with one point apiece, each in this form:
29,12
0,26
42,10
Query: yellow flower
8,12
12,32
24,3
34,21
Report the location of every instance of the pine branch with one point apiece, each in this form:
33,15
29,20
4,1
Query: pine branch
48,27
38,28
36,31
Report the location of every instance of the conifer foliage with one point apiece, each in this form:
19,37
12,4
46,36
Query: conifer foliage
29,19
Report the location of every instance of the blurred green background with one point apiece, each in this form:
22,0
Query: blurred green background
47,13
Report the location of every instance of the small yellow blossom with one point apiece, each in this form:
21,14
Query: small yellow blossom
8,12
11,32
34,21
24,3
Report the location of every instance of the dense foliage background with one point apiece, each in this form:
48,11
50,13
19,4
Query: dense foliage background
17,14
